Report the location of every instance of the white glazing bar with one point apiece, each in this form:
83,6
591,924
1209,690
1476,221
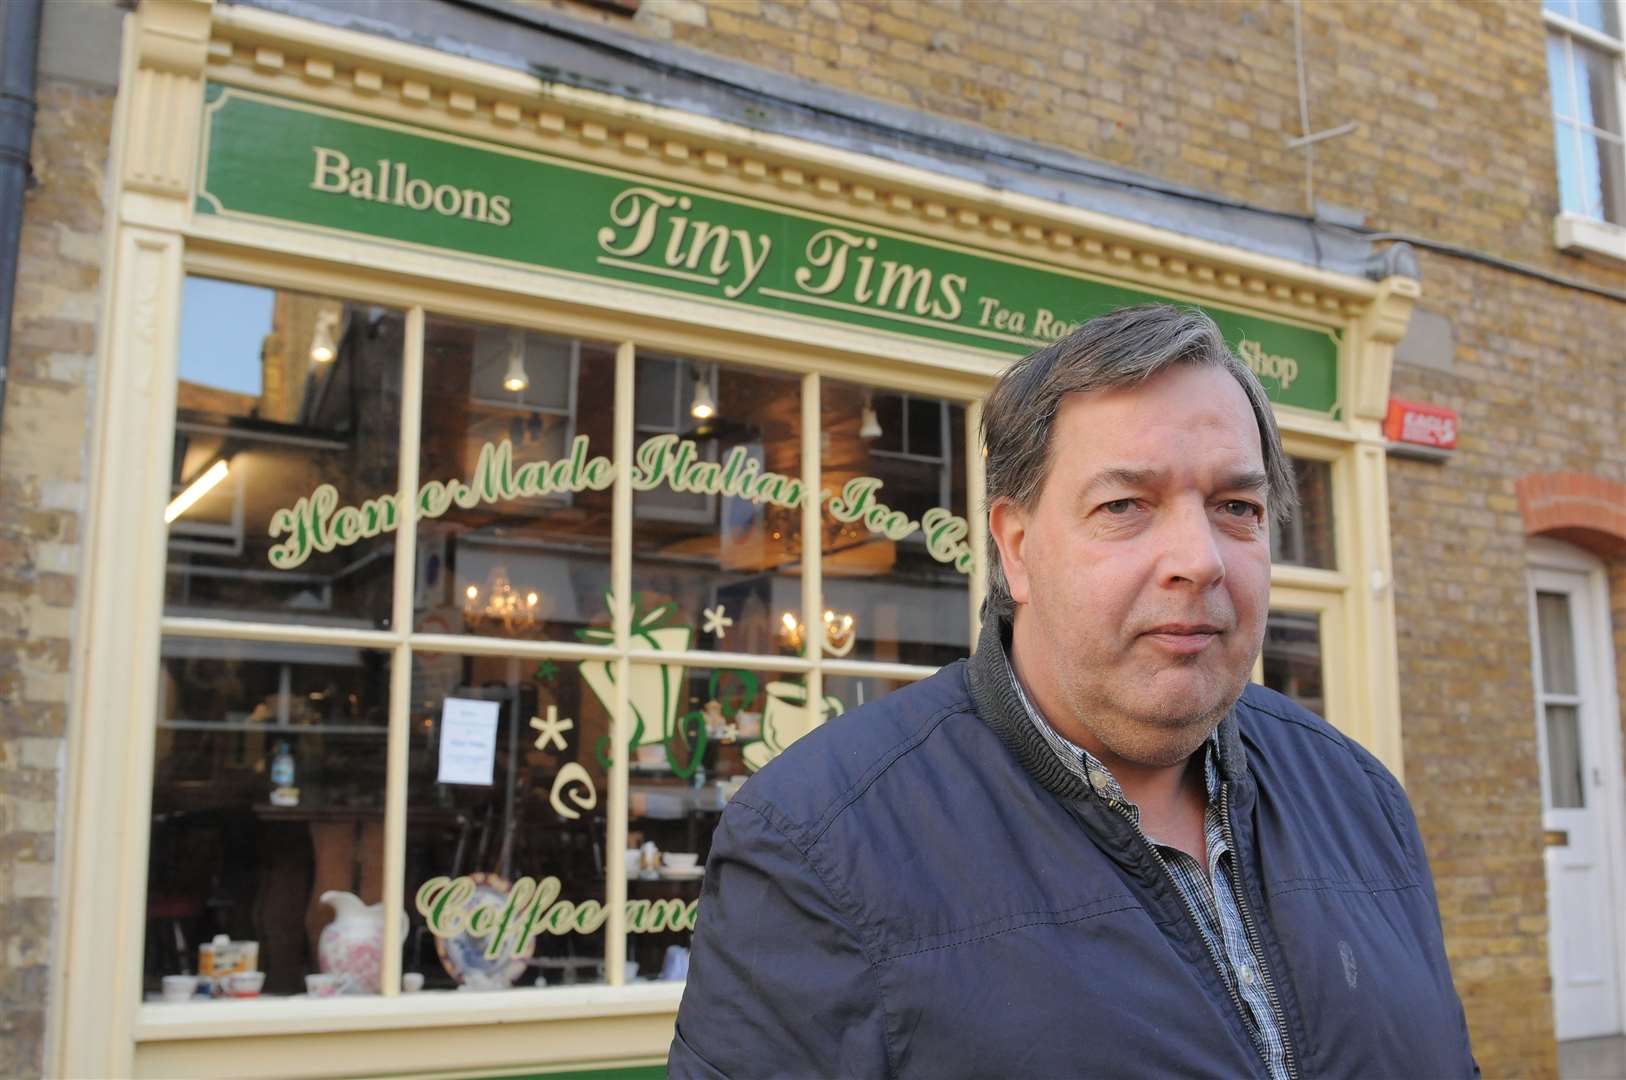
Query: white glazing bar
615,842
476,645
239,630
812,547
406,577
865,669
702,659
976,512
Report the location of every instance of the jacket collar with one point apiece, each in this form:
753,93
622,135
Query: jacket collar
994,696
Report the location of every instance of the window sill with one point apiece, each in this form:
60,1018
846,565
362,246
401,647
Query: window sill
1588,236
165,1022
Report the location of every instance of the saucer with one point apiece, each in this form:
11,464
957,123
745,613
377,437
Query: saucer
692,873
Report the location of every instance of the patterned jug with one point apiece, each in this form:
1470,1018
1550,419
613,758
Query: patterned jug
352,945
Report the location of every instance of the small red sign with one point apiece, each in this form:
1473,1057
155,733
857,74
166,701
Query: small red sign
1422,425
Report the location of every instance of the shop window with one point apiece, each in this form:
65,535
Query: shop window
272,766
268,796
287,409
893,472
1292,658
1584,51
716,507
1306,539
514,475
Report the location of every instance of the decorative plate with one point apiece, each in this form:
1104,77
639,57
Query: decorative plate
464,956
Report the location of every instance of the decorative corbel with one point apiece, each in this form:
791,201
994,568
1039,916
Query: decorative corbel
166,98
1379,329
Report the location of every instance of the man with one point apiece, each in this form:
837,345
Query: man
1093,849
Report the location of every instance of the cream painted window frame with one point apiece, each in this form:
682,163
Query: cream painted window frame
152,240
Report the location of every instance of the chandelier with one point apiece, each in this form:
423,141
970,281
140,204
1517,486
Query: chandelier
500,604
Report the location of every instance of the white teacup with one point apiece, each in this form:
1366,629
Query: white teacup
179,987
682,860
327,984
245,983
411,982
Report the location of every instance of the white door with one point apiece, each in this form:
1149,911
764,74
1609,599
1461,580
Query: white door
1580,787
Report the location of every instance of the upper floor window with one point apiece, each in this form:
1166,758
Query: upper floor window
1584,58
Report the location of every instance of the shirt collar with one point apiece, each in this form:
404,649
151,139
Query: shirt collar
1083,764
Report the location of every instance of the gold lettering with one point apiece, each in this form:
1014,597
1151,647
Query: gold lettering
827,250
637,208
332,170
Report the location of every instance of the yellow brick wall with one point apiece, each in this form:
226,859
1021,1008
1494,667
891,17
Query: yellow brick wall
42,478
1538,380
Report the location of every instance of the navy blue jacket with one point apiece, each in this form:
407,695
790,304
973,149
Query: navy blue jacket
919,889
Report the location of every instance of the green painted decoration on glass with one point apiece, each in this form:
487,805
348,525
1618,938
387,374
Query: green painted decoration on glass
269,158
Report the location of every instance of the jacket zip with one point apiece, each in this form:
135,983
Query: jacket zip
1213,953
1288,1058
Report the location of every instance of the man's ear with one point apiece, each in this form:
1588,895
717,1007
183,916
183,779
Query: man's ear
1008,524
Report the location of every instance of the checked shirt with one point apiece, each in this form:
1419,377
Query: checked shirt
1209,893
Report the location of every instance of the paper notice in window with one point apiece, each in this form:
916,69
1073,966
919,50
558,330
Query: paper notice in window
468,741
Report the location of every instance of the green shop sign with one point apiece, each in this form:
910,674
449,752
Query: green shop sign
269,158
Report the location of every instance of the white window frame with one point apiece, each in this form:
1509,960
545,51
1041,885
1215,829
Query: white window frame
1584,233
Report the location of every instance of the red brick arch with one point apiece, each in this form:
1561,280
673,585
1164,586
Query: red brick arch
1588,511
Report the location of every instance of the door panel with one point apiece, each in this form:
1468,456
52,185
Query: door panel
1576,783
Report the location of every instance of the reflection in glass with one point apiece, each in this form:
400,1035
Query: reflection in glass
268,791
1305,539
716,507
287,416
1292,658
505,810
895,587
515,481
1564,764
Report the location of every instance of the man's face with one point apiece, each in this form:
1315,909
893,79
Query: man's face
1142,570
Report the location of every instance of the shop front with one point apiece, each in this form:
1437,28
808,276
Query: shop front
491,475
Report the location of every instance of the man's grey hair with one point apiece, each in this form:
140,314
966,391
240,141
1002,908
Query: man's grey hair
1121,348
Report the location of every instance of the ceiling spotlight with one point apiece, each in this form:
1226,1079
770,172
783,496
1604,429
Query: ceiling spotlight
871,427
703,407
324,339
515,378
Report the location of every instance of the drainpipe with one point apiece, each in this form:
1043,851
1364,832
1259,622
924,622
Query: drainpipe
19,54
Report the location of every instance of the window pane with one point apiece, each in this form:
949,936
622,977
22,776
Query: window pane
506,810
731,722
926,422
1572,180
1292,658
1601,167
268,812
1557,643
1597,14
895,561
287,427
1560,77
1565,8
889,412
1599,105
1611,191
717,514
1564,765
1306,538
514,482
